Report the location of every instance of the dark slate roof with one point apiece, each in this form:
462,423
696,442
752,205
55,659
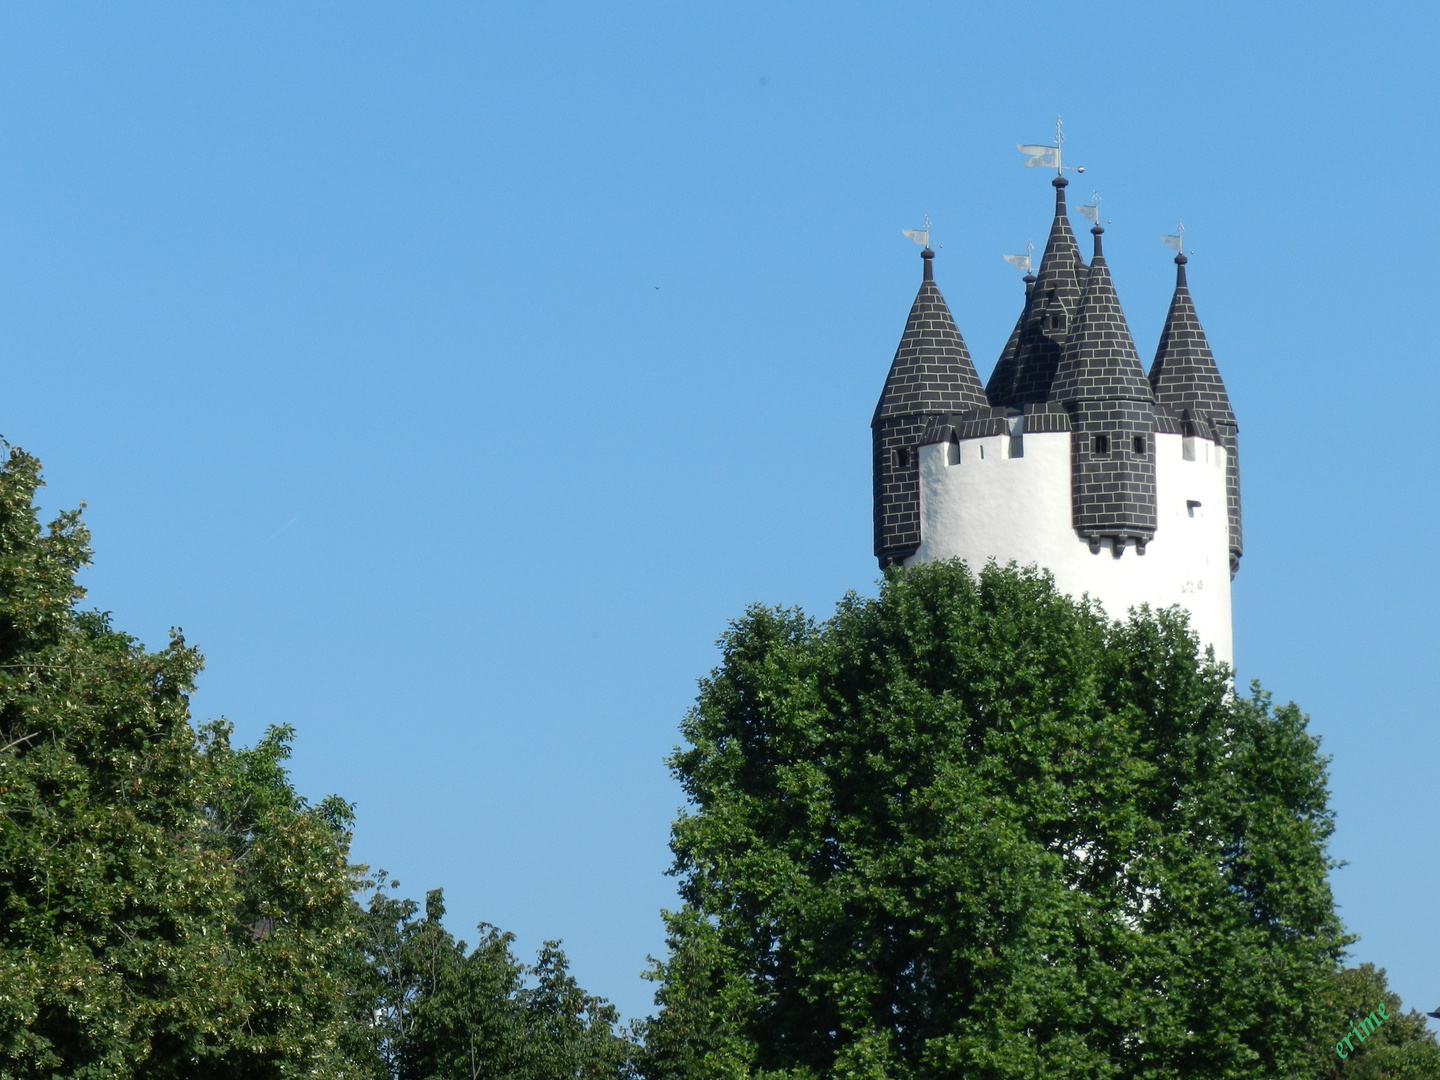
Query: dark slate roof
1184,374
1050,311
1002,379
932,371
1100,362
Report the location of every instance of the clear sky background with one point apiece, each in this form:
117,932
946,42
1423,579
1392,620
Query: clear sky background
452,373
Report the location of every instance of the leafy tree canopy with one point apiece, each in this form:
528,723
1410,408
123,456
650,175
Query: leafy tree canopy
443,1012
171,907
1403,1048
971,828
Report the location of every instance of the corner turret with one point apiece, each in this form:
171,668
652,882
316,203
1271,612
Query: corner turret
1187,384
932,375
1101,384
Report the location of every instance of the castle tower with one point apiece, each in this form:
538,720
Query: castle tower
932,375
1125,487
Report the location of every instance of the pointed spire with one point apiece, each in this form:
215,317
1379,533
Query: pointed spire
932,372
1061,263
1002,379
1187,383
1050,311
1184,374
1100,361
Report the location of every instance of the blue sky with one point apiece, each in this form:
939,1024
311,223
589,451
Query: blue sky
452,373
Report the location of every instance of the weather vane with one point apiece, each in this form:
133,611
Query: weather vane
921,235
1091,213
1047,157
1175,241
1022,262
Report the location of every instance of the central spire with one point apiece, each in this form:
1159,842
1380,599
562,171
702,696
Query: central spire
1051,304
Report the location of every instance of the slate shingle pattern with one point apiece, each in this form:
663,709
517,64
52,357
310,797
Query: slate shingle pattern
1100,359
932,375
1187,383
932,371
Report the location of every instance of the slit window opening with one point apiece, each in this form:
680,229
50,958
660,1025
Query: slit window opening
901,457
952,452
1139,443
1101,446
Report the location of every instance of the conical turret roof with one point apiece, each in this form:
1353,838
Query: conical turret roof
1062,274
1184,375
1100,361
1002,379
1050,311
932,371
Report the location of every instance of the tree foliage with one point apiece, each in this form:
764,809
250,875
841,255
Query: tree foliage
970,828
171,907
445,1013
1402,1049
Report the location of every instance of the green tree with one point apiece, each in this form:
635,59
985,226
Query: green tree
970,828
1402,1048
170,907
445,1013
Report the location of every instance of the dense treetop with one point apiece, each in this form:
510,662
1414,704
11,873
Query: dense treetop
971,828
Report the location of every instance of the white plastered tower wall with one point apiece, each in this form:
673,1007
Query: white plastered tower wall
977,503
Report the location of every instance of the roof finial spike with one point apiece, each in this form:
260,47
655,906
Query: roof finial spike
1176,242
1098,231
